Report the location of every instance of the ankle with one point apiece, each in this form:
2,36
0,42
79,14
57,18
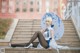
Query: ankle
28,44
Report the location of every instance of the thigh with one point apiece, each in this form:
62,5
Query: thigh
42,40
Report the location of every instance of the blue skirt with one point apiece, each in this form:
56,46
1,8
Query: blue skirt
48,41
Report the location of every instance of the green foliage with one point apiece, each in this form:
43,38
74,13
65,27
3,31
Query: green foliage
4,26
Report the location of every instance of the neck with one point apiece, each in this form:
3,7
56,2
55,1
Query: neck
48,25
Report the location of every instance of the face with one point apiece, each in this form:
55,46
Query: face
48,21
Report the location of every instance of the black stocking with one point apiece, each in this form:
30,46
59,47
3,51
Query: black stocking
38,35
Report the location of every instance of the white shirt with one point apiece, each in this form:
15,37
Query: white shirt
47,34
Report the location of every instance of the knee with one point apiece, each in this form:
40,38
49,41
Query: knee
38,32
46,47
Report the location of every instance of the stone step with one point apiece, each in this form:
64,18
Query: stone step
28,36
26,19
29,28
38,23
32,32
21,20
64,44
26,41
65,39
25,35
39,30
68,43
23,50
76,43
22,33
38,26
71,42
69,28
62,21
61,40
70,39
25,27
30,24
23,23
4,43
37,20
29,33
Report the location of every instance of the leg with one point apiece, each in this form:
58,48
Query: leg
38,35
18,45
26,44
41,39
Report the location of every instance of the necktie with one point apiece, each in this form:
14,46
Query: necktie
47,32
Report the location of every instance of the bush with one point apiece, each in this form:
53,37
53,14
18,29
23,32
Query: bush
4,26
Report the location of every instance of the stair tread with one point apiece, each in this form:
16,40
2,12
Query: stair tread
25,35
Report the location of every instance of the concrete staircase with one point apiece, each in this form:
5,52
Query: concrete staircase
26,28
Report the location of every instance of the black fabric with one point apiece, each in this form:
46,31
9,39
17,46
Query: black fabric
36,35
48,41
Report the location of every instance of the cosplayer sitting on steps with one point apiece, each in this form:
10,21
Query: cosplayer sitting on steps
45,36
52,30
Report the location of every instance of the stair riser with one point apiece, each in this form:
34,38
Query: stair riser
4,43
62,39
68,26
31,33
24,35
40,29
36,23
39,51
39,25
35,28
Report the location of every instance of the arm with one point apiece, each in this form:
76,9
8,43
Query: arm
42,30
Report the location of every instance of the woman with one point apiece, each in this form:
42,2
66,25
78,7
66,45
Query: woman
52,29
45,36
